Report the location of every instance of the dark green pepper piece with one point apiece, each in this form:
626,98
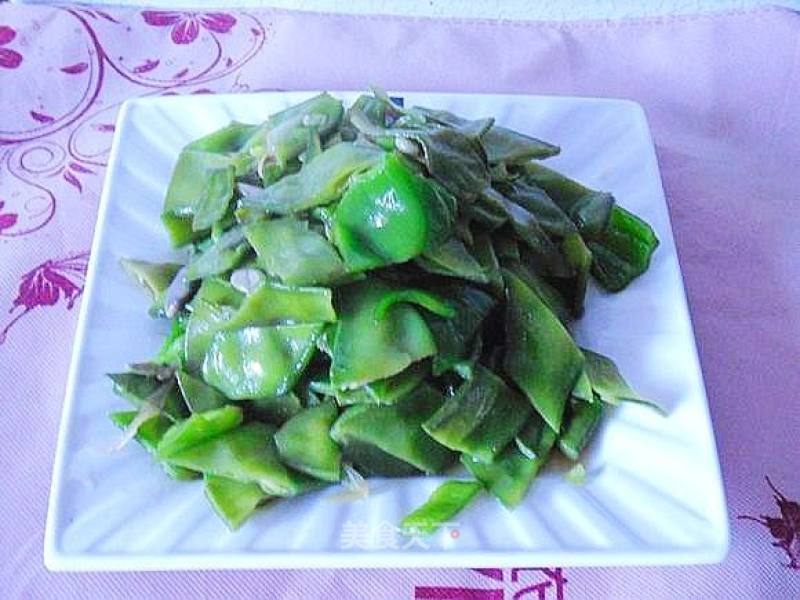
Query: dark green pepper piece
276,409
481,417
579,258
304,443
540,357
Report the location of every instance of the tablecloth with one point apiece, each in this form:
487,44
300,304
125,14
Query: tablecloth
722,93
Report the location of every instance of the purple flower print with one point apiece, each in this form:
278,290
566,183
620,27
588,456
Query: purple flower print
186,25
47,283
9,59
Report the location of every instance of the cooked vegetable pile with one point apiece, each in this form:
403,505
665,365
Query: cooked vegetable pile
377,291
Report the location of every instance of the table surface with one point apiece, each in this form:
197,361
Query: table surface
722,94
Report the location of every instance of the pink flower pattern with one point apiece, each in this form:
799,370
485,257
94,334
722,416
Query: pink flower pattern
9,59
186,25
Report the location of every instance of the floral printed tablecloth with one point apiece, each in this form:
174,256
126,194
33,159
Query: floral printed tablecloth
722,93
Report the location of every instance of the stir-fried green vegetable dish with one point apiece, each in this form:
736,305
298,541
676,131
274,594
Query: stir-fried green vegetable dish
381,289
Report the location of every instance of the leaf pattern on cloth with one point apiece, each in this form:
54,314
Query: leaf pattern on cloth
46,284
785,529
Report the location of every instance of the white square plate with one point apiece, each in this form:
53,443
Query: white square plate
653,493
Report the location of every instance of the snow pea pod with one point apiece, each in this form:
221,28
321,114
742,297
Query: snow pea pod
452,259
481,417
446,502
197,394
285,135
389,440
275,409
583,387
304,443
154,277
171,351
221,255
484,253
365,348
510,476
320,182
197,429
289,250
148,435
385,391
453,336
589,210
540,357
272,303
246,454
552,219
259,362
233,500
582,422
609,384
391,215
579,258
205,321
137,389
546,292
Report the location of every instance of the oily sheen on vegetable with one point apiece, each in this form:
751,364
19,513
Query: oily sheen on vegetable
379,290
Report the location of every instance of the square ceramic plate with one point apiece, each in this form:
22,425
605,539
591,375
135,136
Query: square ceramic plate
653,493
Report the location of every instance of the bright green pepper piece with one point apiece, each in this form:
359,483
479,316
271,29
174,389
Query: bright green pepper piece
623,251
154,277
583,421
609,384
197,394
197,429
540,357
427,300
510,476
136,389
321,181
246,454
391,215
288,249
366,432
446,502
233,500
452,259
385,391
304,443
481,417
366,348
272,303
259,362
